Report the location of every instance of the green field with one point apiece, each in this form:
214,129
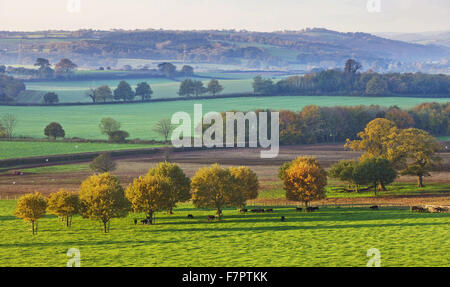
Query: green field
74,91
16,149
335,190
329,237
139,119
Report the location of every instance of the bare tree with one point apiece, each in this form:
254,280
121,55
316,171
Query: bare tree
9,122
164,127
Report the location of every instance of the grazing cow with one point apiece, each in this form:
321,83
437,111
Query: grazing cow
375,207
311,208
190,216
298,209
418,209
146,222
254,210
135,221
283,219
244,210
440,209
269,210
211,217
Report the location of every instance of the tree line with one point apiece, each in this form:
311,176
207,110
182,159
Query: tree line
350,81
316,124
101,196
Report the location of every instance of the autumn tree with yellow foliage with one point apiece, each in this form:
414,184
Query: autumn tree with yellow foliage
103,198
247,181
412,151
63,204
421,149
379,139
30,208
150,194
215,187
179,182
305,180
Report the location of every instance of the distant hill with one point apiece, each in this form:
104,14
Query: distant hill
441,38
304,49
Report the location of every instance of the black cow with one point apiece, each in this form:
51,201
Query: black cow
418,209
298,209
244,210
135,221
211,217
283,218
190,216
312,208
269,210
146,221
375,207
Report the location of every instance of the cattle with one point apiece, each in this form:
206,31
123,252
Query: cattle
418,209
243,210
259,210
283,219
190,216
298,209
135,221
375,207
146,222
211,217
440,209
269,210
312,208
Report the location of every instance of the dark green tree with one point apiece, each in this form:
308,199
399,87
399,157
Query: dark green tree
54,130
124,92
144,91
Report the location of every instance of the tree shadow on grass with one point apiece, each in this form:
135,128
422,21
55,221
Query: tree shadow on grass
283,226
348,214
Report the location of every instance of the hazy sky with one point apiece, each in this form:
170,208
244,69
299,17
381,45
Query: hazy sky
256,15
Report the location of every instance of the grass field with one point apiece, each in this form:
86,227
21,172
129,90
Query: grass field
335,190
16,149
139,119
74,91
329,237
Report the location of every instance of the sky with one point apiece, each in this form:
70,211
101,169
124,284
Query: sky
253,15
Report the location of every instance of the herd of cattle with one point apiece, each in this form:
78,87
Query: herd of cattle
439,209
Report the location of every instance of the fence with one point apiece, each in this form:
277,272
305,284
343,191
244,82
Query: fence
10,196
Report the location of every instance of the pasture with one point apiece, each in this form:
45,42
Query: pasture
139,119
74,91
328,237
16,149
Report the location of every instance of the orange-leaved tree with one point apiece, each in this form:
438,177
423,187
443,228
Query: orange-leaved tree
305,180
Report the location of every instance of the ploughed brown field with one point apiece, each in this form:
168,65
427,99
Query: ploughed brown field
267,170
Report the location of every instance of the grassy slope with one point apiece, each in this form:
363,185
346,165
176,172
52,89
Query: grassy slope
27,149
139,119
330,237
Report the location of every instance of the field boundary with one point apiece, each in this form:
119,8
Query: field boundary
211,97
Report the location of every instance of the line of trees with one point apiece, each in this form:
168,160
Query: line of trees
350,81
316,124
196,88
123,92
102,198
